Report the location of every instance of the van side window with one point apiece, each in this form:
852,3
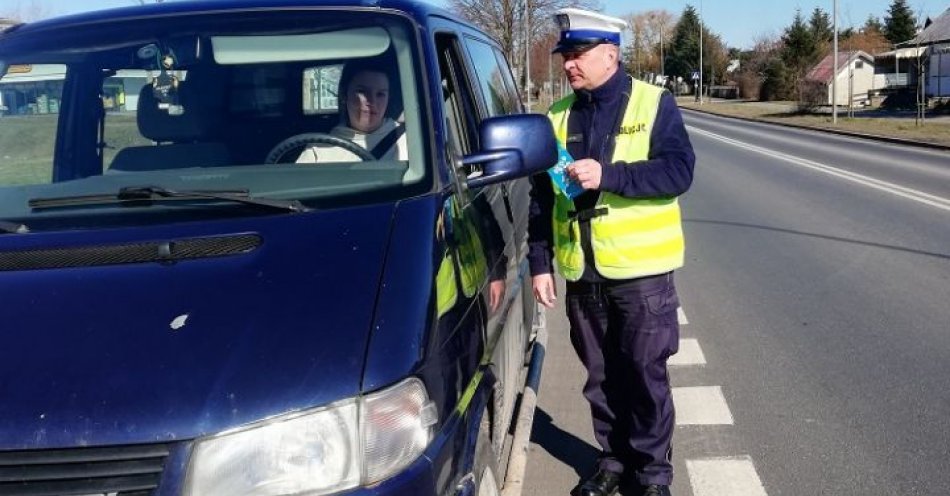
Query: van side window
499,98
460,110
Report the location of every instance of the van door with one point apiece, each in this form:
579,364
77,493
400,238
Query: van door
487,212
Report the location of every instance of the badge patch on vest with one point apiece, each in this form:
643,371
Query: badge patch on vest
634,129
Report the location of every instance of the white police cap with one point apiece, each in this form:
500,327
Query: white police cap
583,29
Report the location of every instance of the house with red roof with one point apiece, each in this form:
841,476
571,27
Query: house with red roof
855,78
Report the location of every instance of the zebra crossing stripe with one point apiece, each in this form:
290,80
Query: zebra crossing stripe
681,316
701,405
689,354
734,476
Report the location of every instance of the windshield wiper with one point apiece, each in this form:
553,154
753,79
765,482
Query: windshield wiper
145,195
7,227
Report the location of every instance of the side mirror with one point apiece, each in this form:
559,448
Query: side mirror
513,146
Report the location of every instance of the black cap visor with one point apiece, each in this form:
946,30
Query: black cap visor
577,45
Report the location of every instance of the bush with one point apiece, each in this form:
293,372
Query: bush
750,85
813,95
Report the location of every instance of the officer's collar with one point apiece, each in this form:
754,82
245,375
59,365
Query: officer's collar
607,92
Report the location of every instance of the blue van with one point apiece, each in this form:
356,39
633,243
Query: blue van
262,248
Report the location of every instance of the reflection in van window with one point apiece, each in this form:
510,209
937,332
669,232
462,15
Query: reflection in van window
235,110
30,99
498,98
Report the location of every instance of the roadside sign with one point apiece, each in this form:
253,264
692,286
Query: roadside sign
695,75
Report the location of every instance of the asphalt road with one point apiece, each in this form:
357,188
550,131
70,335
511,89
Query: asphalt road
816,348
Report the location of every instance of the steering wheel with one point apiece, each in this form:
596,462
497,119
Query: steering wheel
300,141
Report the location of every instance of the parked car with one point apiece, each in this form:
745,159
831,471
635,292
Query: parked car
189,310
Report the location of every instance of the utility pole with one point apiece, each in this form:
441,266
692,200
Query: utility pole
834,76
662,61
551,78
700,52
527,56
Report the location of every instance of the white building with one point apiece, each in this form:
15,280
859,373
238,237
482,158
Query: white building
935,38
854,80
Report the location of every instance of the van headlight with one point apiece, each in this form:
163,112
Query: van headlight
344,445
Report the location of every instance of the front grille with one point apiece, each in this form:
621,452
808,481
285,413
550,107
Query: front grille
122,471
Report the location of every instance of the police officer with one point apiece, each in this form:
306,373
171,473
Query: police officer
616,244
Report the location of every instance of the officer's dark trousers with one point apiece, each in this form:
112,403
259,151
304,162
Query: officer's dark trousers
623,332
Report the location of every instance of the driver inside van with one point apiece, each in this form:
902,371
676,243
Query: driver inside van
365,118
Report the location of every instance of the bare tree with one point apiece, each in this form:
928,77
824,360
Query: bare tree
647,30
510,21
27,11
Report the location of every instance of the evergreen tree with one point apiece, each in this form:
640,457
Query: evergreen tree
775,82
820,25
801,47
683,55
873,24
899,24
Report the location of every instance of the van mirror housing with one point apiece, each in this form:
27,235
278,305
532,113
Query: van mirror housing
513,146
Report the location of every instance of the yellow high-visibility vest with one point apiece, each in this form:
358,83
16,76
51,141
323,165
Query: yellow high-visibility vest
634,237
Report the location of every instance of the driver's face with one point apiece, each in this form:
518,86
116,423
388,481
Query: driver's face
366,100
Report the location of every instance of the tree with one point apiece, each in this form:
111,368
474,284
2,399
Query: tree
820,25
800,46
683,53
505,20
26,12
777,83
899,24
873,24
753,73
649,30
866,40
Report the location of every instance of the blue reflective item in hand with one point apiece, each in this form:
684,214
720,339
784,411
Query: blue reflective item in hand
558,173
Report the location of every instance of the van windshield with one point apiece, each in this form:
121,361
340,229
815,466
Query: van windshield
320,107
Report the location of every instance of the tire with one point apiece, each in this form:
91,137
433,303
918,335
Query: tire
486,464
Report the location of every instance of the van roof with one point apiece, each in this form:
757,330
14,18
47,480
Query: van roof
416,9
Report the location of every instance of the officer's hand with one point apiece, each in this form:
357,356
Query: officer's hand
544,290
496,293
586,172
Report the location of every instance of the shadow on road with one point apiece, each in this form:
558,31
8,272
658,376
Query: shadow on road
942,256
566,447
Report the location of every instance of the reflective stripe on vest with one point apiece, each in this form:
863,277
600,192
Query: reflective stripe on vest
636,237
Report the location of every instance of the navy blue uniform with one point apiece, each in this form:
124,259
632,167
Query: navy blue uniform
622,330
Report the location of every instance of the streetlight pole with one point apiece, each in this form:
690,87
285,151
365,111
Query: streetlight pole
662,61
700,52
527,56
834,75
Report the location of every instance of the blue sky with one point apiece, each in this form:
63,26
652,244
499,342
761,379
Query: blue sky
739,22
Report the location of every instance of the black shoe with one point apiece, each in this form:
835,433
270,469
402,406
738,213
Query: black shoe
603,483
656,490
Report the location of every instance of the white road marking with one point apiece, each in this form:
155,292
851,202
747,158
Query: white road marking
681,316
701,405
724,476
689,354
894,189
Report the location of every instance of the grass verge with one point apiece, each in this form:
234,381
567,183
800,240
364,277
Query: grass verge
936,131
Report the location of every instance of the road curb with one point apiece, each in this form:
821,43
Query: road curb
853,134
518,461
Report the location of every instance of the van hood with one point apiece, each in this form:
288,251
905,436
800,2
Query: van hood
153,352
